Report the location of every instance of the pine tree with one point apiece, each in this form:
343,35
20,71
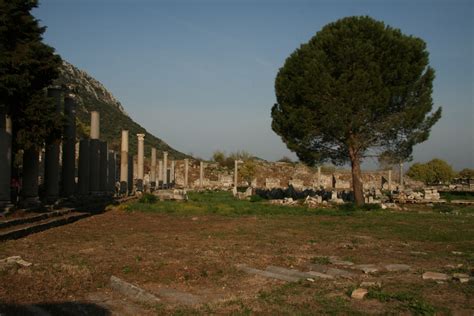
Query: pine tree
358,88
27,67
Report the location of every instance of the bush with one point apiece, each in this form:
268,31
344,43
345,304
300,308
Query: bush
256,198
148,198
433,172
371,207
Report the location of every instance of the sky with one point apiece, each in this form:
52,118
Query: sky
200,74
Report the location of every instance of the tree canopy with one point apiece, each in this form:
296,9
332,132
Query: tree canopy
435,171
358,88
27,67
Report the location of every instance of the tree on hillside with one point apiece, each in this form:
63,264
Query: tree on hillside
433,172
358,88
27,67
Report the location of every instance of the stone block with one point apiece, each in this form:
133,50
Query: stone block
359,293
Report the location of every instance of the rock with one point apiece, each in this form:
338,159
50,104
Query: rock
336,261
367,268
133,292
457,252
371,284
318,269
435,276
397,267
266,274
359,293
461,277
418,253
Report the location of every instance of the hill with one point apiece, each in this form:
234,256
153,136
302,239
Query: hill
91,95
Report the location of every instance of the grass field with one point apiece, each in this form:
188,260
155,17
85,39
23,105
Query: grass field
194,246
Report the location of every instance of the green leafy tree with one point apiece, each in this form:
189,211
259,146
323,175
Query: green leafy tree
219,157
248,169
358,88
433,172
467,173
285,159
27,67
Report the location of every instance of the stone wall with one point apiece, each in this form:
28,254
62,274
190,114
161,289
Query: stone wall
280,175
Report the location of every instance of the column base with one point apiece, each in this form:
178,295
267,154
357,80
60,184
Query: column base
139,185
30,202
6,207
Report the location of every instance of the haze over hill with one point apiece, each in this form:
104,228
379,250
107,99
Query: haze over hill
91,95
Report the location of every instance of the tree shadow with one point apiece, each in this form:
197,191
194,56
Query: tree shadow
57,308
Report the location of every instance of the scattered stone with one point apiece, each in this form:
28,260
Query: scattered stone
336,261
367,268
393,206
359,293
435,276
18,260
461,277
418,253
267,274
310,280
457,252
333,272
132,291
313,201
371,284
397,267
296,273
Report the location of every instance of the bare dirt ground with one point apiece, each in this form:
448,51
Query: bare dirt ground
197,254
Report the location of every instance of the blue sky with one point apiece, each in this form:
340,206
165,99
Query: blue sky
200,74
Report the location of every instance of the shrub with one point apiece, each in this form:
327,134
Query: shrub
148,198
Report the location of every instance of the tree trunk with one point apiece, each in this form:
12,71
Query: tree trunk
357,185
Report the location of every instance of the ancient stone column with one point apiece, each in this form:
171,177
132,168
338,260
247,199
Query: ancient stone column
94,154
236,177
319,177
389,180
103,167
51,157
111,174
186,171
141,153
172,170
160,173
124,163
83,167
153,168
68,172
6,160
401,176
165,169
201,174
29,190
130,174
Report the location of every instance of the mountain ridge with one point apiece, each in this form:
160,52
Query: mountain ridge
91,95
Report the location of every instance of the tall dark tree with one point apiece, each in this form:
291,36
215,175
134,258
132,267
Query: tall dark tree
27,67
358,88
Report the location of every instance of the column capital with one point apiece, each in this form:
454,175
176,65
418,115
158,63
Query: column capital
141,136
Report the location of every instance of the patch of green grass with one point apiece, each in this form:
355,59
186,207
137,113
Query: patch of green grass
126,269
449,196
148,198
221,203
408,300
320,260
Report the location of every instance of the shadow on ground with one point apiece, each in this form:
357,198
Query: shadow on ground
60,308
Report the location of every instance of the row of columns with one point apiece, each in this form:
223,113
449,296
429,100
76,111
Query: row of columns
96,167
